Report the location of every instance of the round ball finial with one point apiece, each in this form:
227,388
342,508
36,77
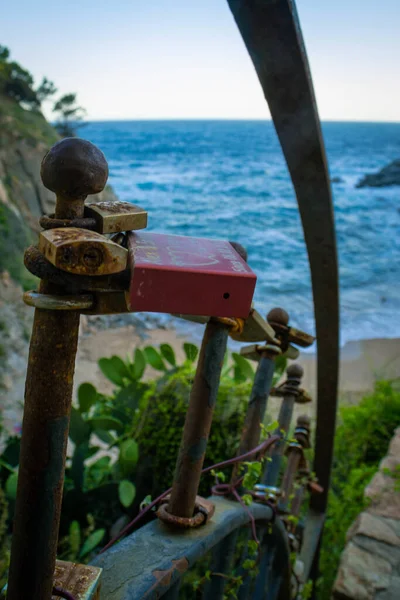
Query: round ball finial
303,421
278,315
241,250
74,168
295,371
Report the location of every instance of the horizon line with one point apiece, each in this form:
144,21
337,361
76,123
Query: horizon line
227,119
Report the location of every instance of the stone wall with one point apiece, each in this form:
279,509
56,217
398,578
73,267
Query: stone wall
370,564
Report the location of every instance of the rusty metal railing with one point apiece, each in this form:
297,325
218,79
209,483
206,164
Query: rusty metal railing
84,270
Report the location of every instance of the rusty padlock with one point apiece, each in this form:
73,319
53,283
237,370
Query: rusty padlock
114,217
82,252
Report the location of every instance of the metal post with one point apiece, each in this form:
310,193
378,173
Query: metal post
221,563
73,168
223,553
257,405
290,391
296,461
198,421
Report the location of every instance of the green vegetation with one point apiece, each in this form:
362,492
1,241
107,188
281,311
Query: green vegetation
21,103
21,120
69,115
125,446
18,123
361,441
15,236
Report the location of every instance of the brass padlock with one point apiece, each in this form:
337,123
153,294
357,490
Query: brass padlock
255,351
81,581
300,338
255,329
82,252
113,217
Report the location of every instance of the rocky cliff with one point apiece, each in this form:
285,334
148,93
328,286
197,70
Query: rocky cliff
370,564
25,136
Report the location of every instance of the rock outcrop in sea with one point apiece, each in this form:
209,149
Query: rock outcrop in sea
389,175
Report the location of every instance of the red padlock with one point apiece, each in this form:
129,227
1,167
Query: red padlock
185,275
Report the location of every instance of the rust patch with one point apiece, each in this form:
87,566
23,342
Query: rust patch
50,222
163,578
203,511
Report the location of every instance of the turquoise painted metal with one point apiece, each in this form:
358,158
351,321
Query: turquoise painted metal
147,564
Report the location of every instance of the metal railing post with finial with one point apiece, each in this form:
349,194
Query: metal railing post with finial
290,392
259,393
73,169
296,460
223,555
198,420
199,415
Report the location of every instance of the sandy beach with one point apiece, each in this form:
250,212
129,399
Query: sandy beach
361,364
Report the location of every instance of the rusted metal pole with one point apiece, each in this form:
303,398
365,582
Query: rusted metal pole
73,169
258,402
261,388
223,554
298,497
290,391
296,460
257,405
198,421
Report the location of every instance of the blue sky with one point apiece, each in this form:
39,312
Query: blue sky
185,58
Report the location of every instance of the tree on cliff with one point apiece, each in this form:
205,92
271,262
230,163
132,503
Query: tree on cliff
18,84
45,89
70,115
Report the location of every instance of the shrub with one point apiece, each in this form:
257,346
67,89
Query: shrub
125,445
361,441
160,436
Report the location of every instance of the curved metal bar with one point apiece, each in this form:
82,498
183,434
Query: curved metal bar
272,35
150,561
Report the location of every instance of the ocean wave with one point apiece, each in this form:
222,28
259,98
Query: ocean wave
229,180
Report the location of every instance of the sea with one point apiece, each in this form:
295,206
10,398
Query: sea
229,180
